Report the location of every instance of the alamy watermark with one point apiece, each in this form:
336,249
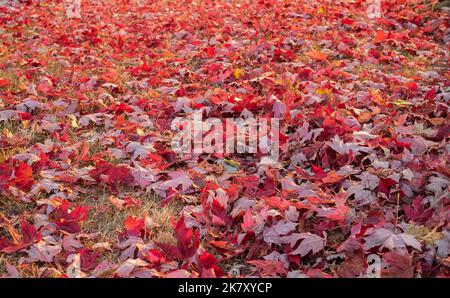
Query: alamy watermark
374,10
73,8
374,266
195,135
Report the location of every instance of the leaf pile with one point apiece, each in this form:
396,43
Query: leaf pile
89,181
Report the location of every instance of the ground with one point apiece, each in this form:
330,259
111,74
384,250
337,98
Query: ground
90,185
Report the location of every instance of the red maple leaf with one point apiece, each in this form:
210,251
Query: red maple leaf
249,221
385,185
399,265
29,236
416,211
4,82
24,176
187,241
112,174
277,202
269,267
69,220
89,258
134,226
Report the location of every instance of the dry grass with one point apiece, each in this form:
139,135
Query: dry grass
2,265
20,136
104,219
5,154
108,220
16,85
14,209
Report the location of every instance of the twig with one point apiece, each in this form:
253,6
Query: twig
396,213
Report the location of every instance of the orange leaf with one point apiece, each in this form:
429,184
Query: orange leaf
318,55
3,82
332,177
365,117
380,36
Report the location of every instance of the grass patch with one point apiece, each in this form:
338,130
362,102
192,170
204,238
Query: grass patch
108,220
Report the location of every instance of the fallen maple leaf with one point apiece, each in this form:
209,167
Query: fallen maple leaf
386,238
24,176
385,185
4,82
187,241
29,236
134,226
398,265
249,221
274,233
318,55
416,211
310,243
269,268
380,36
126,268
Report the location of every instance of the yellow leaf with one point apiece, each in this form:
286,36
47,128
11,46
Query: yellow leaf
232,163
153,93
402,103
73,121
237,73
423,233
140,132
432,236
415,230
7,133
323,91
377,98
